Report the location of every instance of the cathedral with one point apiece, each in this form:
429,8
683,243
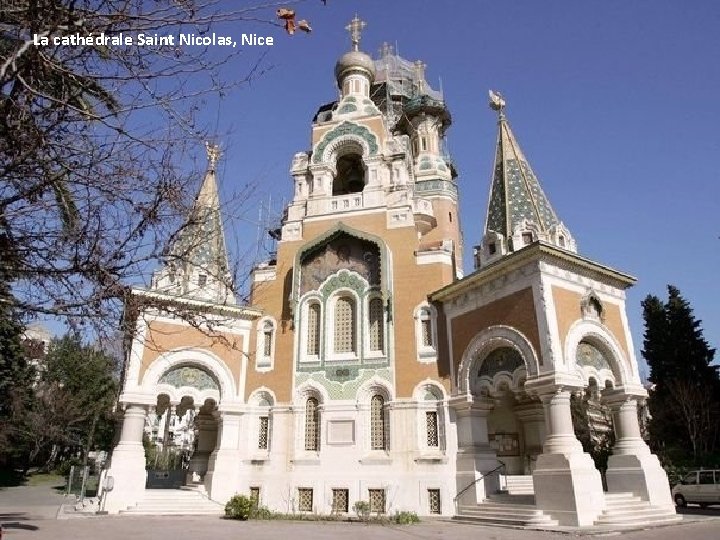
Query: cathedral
366,366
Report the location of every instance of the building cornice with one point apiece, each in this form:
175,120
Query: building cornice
159,300
541,252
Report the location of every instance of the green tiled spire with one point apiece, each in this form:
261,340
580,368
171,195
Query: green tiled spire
515,194
196,264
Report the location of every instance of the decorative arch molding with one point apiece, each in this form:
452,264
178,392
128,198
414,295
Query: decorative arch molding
307,390
488,340
190,356
374,385
342,135
262,397
427,388
595,333
175,394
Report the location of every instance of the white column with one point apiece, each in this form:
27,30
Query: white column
475,456
127,467
222,477
632,467
207,438
567,484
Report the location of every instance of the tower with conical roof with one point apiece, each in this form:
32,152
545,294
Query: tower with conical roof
518,213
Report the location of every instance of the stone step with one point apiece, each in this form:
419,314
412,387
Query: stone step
499,509
169,512
637,520
506,521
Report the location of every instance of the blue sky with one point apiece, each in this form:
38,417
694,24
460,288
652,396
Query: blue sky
615,104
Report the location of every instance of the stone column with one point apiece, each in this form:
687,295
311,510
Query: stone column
127,466
632,467
475,456
223,469
532,418
567,484
206,438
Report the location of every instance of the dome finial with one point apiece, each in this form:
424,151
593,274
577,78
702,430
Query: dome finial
355,28
497,102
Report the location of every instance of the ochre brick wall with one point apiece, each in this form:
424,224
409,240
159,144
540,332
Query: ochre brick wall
162,337
516,310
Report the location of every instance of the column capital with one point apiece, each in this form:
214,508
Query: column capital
468,402
617,396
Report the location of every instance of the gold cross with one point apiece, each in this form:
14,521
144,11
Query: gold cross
355,28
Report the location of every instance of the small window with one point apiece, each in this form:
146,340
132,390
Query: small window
263,434
313,329
426,326
431,429
434,501
377,423
377,500
255,495
450,216
527,238
492,248
202,280
423,143
561,241
172,274
312,425
267,339
340,499
376,322
305,499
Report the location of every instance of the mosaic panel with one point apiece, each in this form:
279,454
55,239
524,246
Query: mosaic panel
589,355
342,253
192,376
501,359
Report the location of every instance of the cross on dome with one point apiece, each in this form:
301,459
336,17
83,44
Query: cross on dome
355,28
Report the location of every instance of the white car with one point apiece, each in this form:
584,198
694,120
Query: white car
699,487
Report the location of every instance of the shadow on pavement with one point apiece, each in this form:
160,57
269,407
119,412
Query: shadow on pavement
7,525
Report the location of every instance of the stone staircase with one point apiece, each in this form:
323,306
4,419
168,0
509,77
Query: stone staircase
506,510
519,485
626,509
174,502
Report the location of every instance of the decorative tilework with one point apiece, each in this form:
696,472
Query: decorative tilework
516,194
344,129
343,389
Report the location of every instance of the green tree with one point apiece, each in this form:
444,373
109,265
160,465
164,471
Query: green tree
685,397
16,379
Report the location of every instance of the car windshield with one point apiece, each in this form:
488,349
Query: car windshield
690,479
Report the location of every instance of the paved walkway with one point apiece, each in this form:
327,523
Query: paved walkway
122,528
28,513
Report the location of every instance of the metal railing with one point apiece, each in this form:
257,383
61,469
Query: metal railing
497,470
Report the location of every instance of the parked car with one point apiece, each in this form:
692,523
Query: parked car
698,487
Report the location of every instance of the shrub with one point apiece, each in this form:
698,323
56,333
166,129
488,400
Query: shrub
262,512
406,518
362,509
239,507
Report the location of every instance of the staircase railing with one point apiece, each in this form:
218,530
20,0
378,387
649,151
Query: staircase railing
497,470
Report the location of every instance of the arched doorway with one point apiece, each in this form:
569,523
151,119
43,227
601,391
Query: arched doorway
181,429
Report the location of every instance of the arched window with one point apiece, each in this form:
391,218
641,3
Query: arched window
344,325
376,323
377,423
312,425
350,177
313,329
